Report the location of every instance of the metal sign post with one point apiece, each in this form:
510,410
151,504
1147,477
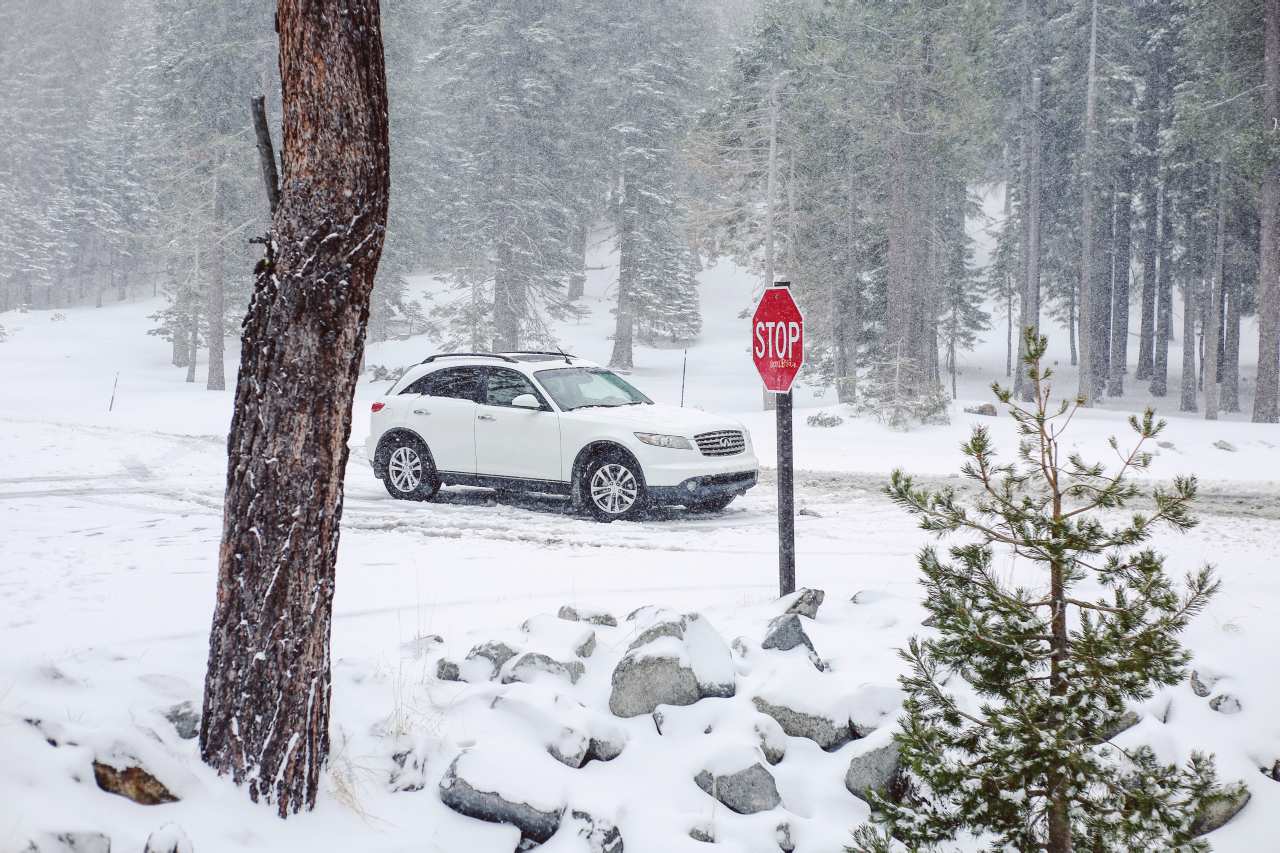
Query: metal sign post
777,348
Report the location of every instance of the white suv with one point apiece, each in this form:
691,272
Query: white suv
551,422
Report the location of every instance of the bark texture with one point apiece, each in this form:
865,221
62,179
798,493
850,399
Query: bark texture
266,702
1266,403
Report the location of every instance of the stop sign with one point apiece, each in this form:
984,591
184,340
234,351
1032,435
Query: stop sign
777,339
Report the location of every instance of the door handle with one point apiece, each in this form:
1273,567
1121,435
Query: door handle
421,412
484,417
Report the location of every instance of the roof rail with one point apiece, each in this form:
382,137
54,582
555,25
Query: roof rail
432,358
556,353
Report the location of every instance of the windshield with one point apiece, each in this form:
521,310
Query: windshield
579,387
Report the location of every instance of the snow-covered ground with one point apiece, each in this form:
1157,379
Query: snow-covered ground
109,522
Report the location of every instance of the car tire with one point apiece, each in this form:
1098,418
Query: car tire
715,504
613,488
407,469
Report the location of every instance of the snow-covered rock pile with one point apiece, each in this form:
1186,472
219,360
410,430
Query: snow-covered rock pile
586,732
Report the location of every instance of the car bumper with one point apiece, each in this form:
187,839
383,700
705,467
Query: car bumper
704,487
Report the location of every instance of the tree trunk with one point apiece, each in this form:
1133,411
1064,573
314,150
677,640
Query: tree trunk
846,304
267,687
1120,284
216,309
1104,273
623,356
769,401
578,279
1213,314
508,302
1088,314
1149,140
1072,327
1231,348
1190,303
1266,402
1164,298
193,334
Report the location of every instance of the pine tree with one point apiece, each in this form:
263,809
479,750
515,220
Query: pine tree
1028,765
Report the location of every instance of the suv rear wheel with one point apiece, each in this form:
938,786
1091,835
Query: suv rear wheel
407,470
613,487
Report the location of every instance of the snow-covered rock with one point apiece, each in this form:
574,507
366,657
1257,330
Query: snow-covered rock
572,733
785,633
185,719
68,842
822,708
804,602
773,740
676,660
481,786
826,731
582,614
745,791
495,654
581,832
1202,683
874,767
535,666
132,782
1225,703
1219,811
559,637
169,838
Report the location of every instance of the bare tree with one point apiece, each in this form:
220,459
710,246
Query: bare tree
266,702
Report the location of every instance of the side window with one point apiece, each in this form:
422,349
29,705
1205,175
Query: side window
460,383
505,385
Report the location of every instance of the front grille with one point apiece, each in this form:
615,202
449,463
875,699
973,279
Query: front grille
725,442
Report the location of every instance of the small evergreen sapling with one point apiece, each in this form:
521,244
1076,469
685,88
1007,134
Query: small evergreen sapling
1026,764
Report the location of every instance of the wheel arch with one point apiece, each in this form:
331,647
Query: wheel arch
594,450
389,437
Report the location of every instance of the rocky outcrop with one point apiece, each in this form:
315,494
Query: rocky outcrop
745,791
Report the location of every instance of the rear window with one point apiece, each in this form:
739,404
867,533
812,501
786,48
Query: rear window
460,383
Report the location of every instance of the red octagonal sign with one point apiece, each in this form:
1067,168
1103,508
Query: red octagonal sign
777,339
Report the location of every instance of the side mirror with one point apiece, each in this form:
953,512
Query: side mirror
525,401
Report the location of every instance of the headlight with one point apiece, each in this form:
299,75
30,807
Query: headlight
676,442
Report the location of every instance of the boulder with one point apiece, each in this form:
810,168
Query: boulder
1220,810
69,842
826,732
474,795
705,833
572,733
987,410
559,637
495,653
447,670
1116,725
773,740
594,617
805,602
132,783
1201,685
581,832
168,839
185,719
746,791
1225,445
786,632
409,770
534,666
677,660
1225,703
876,769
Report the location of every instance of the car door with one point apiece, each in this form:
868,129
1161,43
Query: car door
513,441
442,409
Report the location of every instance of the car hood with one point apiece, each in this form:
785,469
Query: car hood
659,418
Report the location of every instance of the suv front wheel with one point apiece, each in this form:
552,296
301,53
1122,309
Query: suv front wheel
613,488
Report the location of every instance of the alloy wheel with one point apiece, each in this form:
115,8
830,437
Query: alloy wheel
405,469
614,488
